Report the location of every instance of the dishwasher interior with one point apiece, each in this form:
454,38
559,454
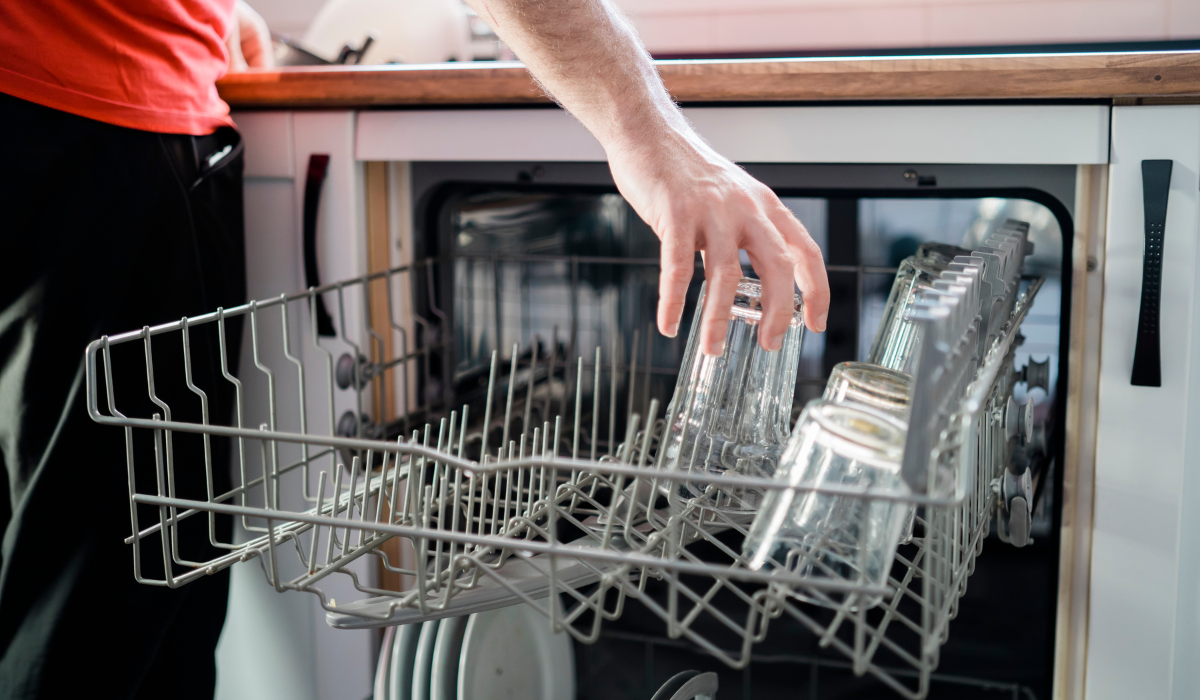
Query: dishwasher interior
504,368
568,267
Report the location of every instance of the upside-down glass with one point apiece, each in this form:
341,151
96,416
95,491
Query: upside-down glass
732,413
880,388
871,385
895,342
851,539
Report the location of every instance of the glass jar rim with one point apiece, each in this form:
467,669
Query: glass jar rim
869,434
877,380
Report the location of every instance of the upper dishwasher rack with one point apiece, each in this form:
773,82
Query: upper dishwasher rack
551,514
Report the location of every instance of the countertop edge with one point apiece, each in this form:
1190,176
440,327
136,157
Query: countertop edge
1129,77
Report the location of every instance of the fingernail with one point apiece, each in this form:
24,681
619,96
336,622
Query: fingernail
775,343
672,330
821,322
715,349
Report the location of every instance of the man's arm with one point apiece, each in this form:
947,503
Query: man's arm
588,57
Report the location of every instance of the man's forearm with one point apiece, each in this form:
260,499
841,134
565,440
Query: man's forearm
588,57
586,54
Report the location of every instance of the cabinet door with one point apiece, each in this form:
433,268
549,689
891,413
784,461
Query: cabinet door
1142,617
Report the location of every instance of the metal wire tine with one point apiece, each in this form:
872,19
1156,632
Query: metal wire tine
508,496
316,529
350,504
106,352
550,372
329,366
552,524
301,402
364,502
612,400
534,352
129,469
512,383
618,487
274,556
462,432
595,402
437,481
641,460
271,408
395,493
487,411
451,434
633,355
575,433
168,443
163,519
208,476
334,510
520,499
533,451
266,469
422,548
557,437
408,507
578,413
493,495
542,470
418,507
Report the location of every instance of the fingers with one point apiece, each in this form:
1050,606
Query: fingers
722,272
773,263
809,270
678,266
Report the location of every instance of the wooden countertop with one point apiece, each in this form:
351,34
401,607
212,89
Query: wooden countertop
1124,77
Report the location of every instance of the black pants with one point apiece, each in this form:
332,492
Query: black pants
103,230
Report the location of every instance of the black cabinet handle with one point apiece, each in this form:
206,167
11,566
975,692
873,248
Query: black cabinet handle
318,166
1156,185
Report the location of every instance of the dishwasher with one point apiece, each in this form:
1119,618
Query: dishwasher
484,424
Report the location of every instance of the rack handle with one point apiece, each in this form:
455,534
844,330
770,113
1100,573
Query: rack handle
318,167
1156,186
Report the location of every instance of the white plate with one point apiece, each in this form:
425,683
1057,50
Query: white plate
510,653
401,665
446,651
423,667
380,691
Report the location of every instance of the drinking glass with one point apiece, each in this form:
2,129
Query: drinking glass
895,342
851,539
732,413
864,383
877,387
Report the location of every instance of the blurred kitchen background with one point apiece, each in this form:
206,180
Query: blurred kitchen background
422,31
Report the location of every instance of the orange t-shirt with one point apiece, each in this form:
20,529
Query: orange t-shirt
143,64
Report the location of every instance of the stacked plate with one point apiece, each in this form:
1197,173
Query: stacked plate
494,655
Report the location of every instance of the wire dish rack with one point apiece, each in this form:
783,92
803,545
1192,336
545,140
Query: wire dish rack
494,504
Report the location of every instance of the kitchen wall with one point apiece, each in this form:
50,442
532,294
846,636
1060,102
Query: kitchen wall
719,26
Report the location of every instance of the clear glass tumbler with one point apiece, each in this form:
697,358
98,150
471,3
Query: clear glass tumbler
871,385
850,539
895,342
878,387
732,413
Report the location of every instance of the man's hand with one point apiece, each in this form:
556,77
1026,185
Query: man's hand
588,56
695,199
